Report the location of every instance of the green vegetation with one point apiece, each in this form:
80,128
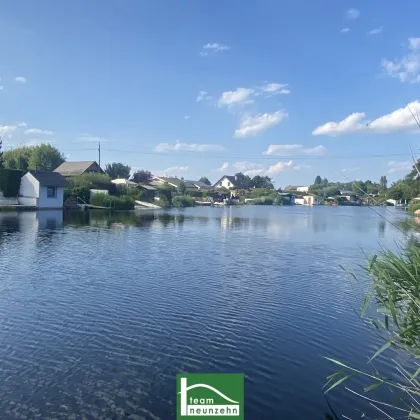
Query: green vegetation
183,201
124,202
117,170
413,207
205,180
43,158
10,182
395,283
142,177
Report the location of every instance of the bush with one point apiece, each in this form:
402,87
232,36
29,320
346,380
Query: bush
163,200
263,201
413,207
10,182
77,191
93,181
183,201
195,193
123,202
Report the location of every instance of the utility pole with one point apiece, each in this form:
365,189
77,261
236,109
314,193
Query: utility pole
99,151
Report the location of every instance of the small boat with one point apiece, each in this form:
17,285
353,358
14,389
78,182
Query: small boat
203,203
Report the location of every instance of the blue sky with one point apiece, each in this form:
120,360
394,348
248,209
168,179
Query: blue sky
291,89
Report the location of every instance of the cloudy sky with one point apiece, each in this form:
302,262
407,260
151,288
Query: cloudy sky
290,89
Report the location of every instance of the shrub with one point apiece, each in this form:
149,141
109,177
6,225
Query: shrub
94,181
123,202
10,182
413,207
183,201
195,193
263,201
82,192
163,200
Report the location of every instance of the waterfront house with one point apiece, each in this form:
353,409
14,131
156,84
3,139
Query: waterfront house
42,190
307,200
68,169
302,189
176,182
148,191
228,182
297,188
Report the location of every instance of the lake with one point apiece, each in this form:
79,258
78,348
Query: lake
99,312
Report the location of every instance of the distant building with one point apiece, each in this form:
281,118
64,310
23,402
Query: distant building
228,182
346,192
297,188
42,190
302,189
176,182
307,200
78,168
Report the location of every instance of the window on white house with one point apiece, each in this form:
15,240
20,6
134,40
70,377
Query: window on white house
51,192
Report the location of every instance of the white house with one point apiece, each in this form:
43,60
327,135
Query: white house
307,200
42,190
228,182
302,189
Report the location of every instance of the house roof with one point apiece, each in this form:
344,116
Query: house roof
197,184
292,187
49,179
175,182
147,187
74,168
231,179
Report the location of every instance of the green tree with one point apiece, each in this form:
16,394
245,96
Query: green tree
45,158
262,182
244,181
383,183
182,188
359,187
205,180
401,190
318,180
1,154
117,170
142,176
324,182
331,191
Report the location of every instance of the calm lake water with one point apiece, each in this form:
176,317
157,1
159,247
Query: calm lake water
99,312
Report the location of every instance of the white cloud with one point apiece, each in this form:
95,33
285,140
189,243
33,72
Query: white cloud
7,130
186,117
174,169
253,125
376,31
89,138
215,47
406,68
231,98
276,89
189,147
398,120
245,166
294,149
39,131
345,30
20,79
352,14
399,166
300,167
225,165
203,96
21,124
279,167
356,168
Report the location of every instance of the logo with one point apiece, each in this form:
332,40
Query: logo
209,395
